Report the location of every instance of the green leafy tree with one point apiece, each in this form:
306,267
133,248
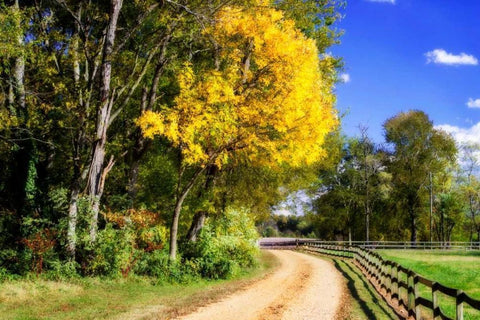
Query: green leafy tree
418,151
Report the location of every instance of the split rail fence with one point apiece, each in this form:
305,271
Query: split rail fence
401,285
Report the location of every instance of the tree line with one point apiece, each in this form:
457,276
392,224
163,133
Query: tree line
417,186
125,124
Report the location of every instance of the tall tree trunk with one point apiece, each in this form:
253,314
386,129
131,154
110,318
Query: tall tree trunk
98,170
21,161
413,228
367,226
78,145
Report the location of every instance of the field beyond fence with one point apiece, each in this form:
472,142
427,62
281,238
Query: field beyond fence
411,295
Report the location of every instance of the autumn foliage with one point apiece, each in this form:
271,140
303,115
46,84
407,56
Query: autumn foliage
266,101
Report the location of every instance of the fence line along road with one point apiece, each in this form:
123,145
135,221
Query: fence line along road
401,285
269,242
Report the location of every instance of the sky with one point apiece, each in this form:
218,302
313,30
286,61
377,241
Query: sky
410,54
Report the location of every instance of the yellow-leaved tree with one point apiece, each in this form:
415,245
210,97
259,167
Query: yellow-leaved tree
264,101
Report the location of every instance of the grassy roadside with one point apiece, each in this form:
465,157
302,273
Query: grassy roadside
132,298
360,301
363,302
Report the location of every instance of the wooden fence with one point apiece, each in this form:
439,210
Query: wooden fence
399,284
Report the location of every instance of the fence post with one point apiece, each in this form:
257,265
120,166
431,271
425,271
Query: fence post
388,276
436,310
383,269
416,294
410,293
459,303
395,290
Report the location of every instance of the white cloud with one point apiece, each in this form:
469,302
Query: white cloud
345,77
384,1
462,135
441,56
473,103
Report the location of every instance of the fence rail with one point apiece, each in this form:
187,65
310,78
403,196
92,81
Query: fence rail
401,285
383,244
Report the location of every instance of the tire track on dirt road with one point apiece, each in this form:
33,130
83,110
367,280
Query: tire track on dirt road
303,287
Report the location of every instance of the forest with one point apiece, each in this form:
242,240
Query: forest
148,137
155,137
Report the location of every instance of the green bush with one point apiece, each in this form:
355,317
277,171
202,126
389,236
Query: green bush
154,264
225,246
114,253
61,270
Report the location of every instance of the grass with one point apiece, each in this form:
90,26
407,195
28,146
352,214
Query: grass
361,301
454,269
131,298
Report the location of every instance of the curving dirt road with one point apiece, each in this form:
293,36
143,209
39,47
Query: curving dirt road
303,287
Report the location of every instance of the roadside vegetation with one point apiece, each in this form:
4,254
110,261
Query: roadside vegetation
131,298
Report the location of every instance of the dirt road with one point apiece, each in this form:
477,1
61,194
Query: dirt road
302,288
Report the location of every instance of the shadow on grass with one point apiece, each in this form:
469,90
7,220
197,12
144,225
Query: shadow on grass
364,302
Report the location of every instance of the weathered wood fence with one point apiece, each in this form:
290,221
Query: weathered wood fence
400,285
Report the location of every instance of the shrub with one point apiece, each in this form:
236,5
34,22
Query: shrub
225,246
61,270
114,253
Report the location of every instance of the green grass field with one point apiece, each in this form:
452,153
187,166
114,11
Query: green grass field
133,298
455,269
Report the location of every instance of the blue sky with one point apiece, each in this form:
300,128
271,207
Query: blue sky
411,54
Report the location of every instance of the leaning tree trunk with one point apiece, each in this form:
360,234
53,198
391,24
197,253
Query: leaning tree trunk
181,195
98,170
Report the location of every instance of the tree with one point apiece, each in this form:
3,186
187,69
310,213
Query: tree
418,150
373,180
470,186
450,212
264,102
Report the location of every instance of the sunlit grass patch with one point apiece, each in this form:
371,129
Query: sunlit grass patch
132,298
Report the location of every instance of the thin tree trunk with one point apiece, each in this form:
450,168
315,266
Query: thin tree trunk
19,71
72,223
413,228
178,208
22,159
98,173
78,145
350,235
